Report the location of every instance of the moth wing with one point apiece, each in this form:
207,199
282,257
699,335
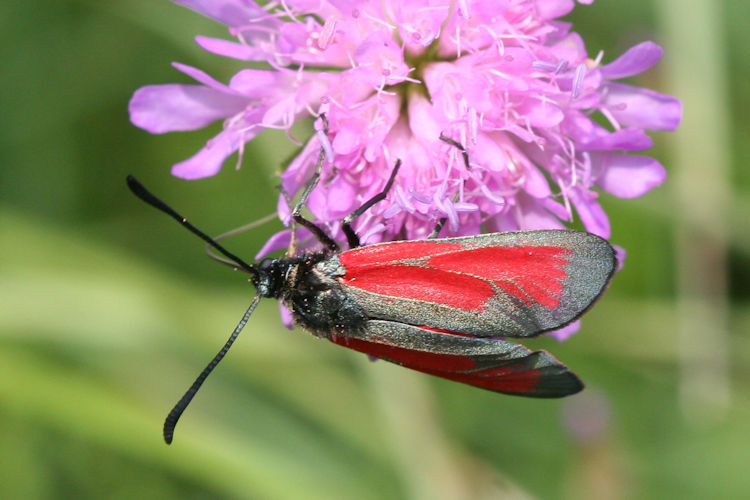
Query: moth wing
517,284
491,364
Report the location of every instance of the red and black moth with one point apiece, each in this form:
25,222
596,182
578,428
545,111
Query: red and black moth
438,306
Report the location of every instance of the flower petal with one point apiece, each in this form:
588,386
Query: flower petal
348,138
642,108
340,197
629,139
535,183
592,215
178,107
229,12
202,77
635,60
629,176
208,161
551,9
565,332
620,254
532,215
229,49
258,83
424,120
540,113
279,241
287,318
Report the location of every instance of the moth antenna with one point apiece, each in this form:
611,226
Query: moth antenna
144,194
182,404
232,232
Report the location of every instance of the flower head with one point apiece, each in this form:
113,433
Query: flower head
546,127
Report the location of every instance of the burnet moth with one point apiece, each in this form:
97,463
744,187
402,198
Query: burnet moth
439,306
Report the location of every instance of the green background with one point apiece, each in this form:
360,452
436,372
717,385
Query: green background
108,310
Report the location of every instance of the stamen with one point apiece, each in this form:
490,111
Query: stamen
500,74
240,153
573,172
392,211
463,9
403,201
326,34
400,79
440,193
289,12
598,60
458,42
498,41
498,200
473,125
438,201
517,37
326,145
452,215
377,228
464,206
516,172
610,117
428,39
388,25
422,198
586,164
580,74
544,66
566,199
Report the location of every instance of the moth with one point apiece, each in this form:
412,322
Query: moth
441,306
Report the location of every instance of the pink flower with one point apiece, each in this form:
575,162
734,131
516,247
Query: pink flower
504,78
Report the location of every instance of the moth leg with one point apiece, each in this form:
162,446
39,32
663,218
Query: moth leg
459,146
437,229
297,216
346,224
465,155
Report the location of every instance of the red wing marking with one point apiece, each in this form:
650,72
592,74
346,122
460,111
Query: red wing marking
449,332
422,283
537,272
512,289
512,378
389,253
408,357
543,296
506,379
462,278
504,262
